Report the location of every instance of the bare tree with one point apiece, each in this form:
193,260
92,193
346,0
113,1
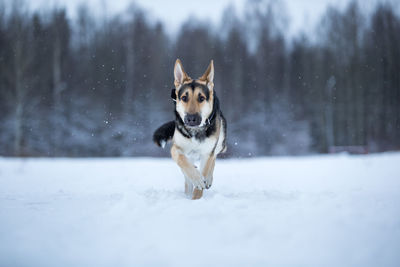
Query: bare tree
20,91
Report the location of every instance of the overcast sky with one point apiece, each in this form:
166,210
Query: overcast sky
303,14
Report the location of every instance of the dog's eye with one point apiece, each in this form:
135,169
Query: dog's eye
201,98
184,98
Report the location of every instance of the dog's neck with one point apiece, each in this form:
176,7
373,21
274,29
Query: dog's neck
197,132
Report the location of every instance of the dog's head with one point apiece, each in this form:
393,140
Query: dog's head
194,97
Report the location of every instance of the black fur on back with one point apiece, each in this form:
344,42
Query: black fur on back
164,133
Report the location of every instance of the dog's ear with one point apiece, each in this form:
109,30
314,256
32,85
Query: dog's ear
208,76
179,74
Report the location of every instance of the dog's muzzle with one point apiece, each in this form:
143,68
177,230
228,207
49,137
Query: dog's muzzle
192,120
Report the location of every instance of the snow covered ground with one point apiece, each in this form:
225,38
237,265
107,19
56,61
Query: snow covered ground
308,211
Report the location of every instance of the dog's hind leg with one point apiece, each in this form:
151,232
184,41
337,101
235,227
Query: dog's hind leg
188,187
190,192
197,193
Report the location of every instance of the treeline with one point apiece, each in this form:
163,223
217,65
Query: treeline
100,87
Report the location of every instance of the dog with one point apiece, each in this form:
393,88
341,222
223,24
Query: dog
198,132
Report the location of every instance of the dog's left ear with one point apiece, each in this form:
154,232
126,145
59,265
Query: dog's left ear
208,76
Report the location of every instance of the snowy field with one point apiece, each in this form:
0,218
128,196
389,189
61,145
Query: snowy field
308,211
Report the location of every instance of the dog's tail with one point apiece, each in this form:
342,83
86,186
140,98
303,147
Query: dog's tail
164,133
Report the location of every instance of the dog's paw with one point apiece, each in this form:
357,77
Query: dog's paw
209,182
200,183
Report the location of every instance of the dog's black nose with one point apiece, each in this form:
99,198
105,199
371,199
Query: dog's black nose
192,119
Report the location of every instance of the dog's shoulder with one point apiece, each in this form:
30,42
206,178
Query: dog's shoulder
221,145
221,127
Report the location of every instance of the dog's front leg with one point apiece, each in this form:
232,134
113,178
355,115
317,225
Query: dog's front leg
207,169
188,170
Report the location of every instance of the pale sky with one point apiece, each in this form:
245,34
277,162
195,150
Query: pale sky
303,14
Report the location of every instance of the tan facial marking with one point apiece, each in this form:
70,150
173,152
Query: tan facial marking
193,101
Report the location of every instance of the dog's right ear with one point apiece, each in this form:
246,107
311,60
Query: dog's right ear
208,76
179,74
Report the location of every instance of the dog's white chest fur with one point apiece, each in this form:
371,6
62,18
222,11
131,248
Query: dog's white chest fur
193,148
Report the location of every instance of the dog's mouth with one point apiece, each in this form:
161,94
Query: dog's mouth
193,127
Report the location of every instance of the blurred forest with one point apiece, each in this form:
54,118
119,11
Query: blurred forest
93,86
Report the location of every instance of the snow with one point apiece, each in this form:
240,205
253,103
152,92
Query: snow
306,211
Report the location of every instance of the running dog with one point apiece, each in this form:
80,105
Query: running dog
198,132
